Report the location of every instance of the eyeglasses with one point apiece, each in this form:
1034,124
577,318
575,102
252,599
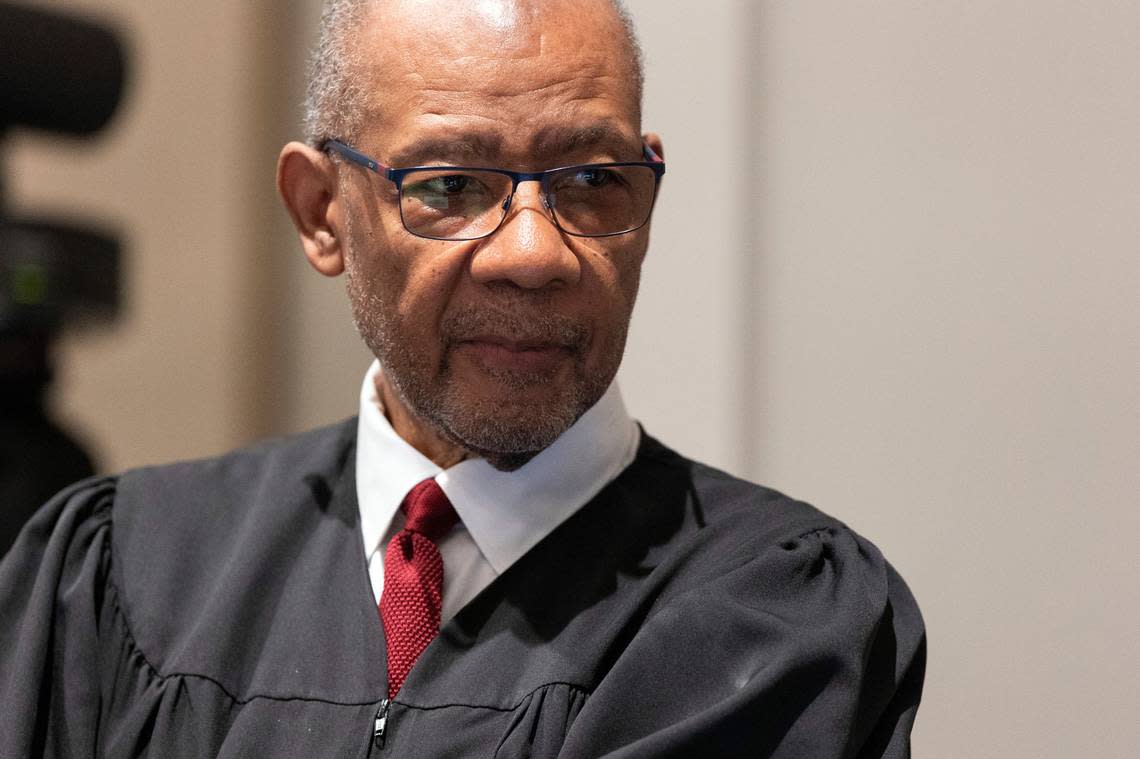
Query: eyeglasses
466,203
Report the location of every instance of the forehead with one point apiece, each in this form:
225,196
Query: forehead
503,77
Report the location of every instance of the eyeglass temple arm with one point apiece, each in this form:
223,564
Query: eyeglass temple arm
368,163
356,157
650,154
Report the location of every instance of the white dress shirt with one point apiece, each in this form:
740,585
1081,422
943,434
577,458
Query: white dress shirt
502,514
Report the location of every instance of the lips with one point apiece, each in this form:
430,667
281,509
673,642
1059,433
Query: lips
512,342
517,345
503,354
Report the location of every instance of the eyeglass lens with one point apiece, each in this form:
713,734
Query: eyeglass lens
463,204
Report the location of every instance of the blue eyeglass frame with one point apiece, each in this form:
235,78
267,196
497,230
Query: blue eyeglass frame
396,176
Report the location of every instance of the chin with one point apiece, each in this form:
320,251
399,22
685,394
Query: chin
509,429
507,462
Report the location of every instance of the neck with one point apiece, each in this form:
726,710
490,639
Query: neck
442,452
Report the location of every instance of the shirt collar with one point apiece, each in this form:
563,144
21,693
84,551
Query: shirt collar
506,513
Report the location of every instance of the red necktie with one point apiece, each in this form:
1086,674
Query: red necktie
413,580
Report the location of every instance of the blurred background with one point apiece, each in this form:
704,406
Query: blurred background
895,272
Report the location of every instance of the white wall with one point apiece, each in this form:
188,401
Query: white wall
687,365
950,238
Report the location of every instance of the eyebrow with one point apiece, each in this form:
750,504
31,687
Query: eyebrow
560,140
458,149
553,141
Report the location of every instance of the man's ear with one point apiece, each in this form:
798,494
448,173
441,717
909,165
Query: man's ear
306,179
653,140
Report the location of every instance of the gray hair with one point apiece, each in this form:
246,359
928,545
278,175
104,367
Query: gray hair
333,107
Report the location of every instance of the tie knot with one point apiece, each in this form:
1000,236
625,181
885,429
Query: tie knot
428,511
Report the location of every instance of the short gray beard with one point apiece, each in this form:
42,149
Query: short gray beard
507,437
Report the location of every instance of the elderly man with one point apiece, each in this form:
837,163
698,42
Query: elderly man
550,580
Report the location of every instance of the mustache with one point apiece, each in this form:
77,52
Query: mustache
522,325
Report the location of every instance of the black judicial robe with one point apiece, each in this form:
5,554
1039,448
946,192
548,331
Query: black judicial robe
223,608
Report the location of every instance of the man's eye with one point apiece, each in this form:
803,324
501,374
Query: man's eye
444,189
593,177
450,183
449,192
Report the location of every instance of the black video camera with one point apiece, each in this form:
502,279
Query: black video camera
63,75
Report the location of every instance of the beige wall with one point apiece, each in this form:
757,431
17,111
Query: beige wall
894,272
323,358
186,171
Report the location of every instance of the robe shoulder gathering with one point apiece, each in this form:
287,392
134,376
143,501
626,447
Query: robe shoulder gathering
223,608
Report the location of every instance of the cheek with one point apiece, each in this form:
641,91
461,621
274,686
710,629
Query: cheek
629,280
428,276
614,280
382,273
616,272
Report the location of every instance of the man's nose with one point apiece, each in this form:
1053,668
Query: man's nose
528,250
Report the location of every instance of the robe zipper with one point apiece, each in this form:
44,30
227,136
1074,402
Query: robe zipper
381,726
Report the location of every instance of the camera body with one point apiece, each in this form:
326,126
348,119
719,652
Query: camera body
54,273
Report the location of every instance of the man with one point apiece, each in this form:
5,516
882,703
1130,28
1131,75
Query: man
550,580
